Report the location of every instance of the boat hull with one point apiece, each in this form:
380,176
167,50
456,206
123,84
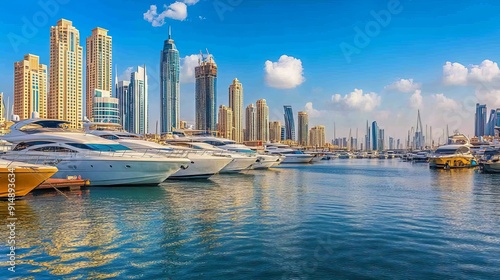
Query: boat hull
239,164
26,178
201,167
491,167
452,162
298,159
266,162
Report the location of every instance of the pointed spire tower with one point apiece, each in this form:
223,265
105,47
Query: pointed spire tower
169,85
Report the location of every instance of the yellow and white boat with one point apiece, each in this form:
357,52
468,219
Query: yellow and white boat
456,154
21,178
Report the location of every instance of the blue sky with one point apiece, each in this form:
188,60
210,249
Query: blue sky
400,67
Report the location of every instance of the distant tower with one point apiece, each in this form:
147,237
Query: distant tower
303,129
236,105
250,123
289,123
206,94
137,118
169,85
275,131
480,120
262,120
375,136
225,122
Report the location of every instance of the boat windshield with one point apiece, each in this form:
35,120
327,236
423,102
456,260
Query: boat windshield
100,147
446,151
241,150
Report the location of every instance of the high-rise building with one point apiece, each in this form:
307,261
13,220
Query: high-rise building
391,143
317,137
236,105
30,87
121,93
225,124
498,117
183,125
480,123
275,131
105,107
283,133
492,122
65,97
250,123
289,123
98,66
381,139
2,109
303,129
169,86
262,120
206,94
137,118
375,136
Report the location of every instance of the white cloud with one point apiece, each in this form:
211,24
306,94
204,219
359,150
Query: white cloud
404,85
311,112
416,99
486,72
191,2
441,102
285,74
489,96
176,11
457,74
188,63
358,100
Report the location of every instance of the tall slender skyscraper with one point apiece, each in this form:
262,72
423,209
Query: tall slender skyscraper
122,93
30,87
99,67
2,108
262,121
289,123
65,98
375,136
492,122
480,127
250,123
236,105
225,122
169,85
303,129
206,94
137,119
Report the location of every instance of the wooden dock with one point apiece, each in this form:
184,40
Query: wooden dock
71,184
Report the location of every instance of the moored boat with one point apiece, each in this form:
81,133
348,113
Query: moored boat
456,154
22,177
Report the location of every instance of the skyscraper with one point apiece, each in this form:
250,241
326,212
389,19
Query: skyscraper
480,123
137,119
225,124
275,131
65,98
169,86
303,129
30,87
250,123
381,140
236,105
262,121
375,136
98,66
105,107
206,94
498,117
122,93
289,123
317,137
492,122
367,137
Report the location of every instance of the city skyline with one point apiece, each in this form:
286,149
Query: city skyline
444,78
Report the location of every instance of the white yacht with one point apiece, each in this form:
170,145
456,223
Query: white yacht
203,164
103,162
240,162
291,155
263,161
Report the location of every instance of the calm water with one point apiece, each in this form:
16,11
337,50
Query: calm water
340,219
